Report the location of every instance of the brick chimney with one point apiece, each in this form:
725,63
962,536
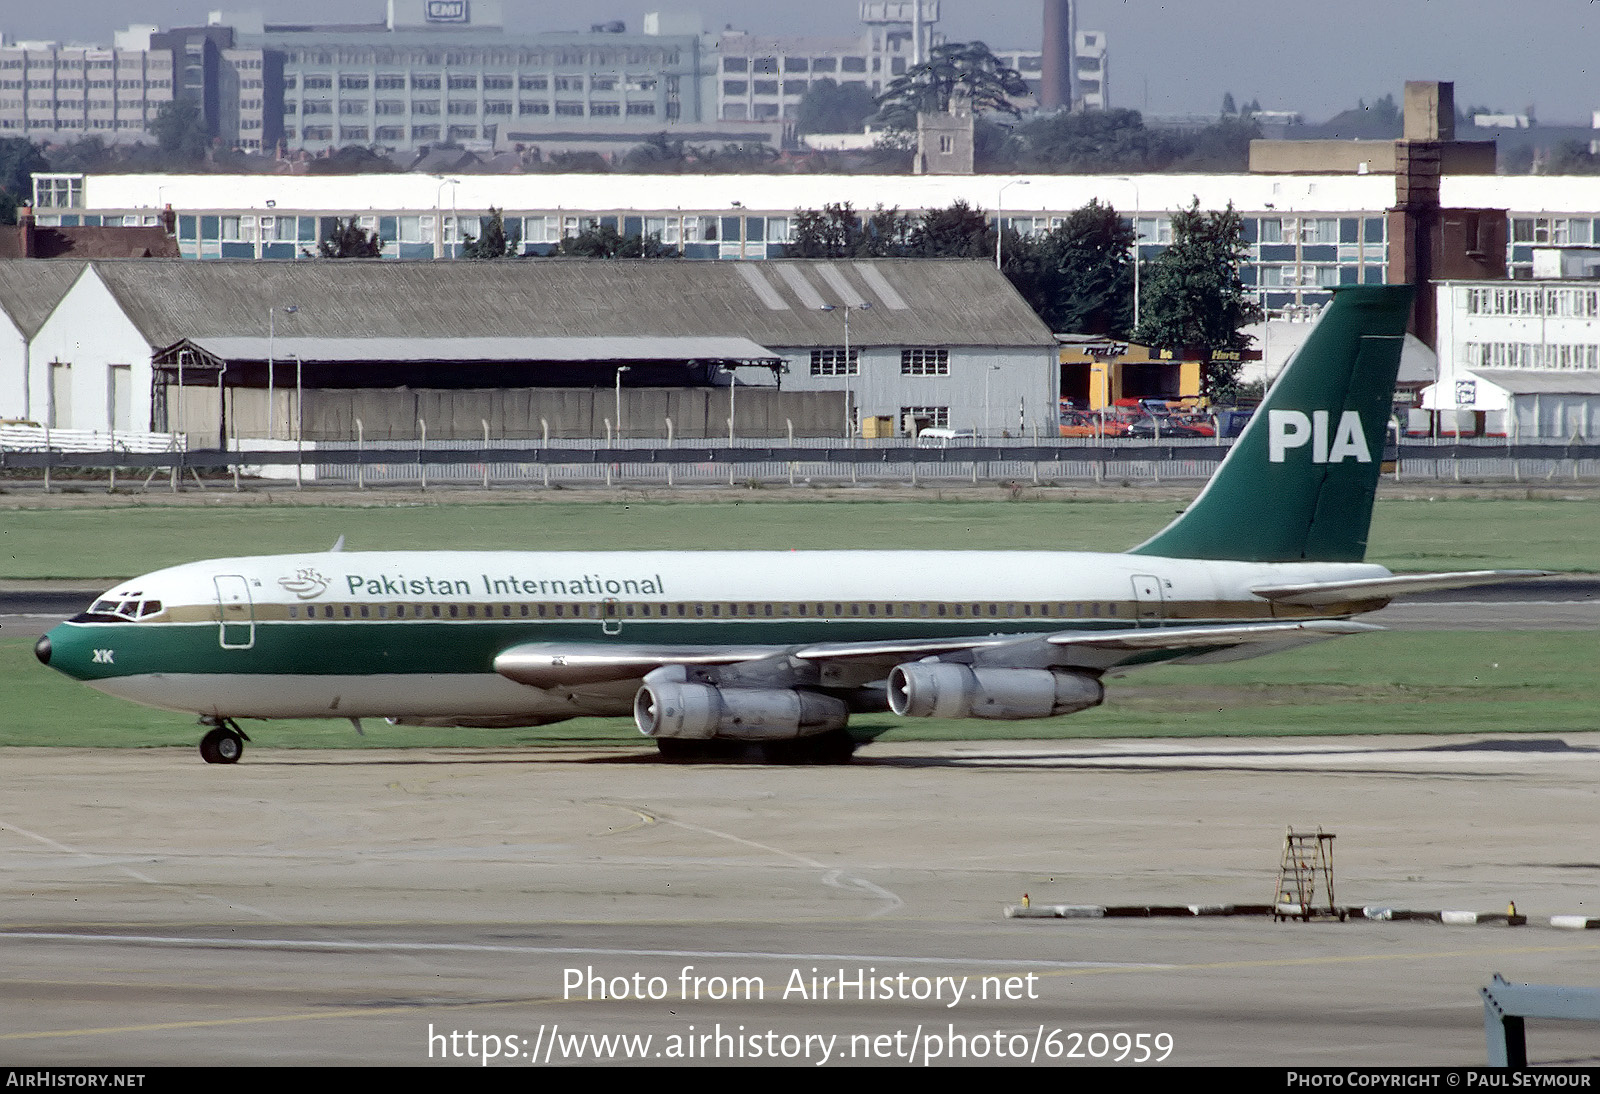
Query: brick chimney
25,231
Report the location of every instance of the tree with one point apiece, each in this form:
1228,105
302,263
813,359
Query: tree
349,240
492,241
957,232
180,130
1571,158
929,87
1079,276
1228,106
837,231
1094,141
19,159
829,108
1193,299
606,242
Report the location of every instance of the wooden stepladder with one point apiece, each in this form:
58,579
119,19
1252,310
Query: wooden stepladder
1307,866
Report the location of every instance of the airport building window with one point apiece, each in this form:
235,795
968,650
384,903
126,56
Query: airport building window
927,417
831,362
924,362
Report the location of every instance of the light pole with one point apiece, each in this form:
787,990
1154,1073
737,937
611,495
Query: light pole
1135,185
987,373
299,425
620,370
999,221
849,368
733,398
272,314
438,205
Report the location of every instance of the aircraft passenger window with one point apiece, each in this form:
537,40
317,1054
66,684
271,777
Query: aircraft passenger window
399,611
559,610
1027,610
682,610
524,611
543,609
347,612
872,609
699,609
716,609
383,611
455,611
838,609
942,609
294,612
768,609
436,611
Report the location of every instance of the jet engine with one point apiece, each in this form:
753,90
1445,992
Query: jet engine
701,712
940,689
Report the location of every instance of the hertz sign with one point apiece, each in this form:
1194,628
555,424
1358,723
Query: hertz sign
445,11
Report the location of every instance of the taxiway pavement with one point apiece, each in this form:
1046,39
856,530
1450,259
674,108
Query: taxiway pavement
345,908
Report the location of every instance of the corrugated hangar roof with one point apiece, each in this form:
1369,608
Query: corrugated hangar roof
777,303
573,350
30,288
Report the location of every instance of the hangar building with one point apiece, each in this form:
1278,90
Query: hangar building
824,345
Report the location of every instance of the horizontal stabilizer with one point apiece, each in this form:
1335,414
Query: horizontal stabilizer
1318,593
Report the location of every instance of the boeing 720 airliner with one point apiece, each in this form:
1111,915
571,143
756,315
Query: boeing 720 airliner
769,653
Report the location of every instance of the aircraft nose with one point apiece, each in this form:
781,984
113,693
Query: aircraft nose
41,649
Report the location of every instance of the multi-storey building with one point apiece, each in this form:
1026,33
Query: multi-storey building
439,71
52,92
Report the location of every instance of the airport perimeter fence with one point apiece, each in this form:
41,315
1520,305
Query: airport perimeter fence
760,461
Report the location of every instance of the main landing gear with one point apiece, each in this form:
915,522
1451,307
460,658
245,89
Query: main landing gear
224,744
833,747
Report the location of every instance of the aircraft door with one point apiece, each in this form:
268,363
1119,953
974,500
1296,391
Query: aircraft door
235,613
610,622
1147,597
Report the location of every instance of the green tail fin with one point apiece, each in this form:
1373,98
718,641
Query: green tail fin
1299,483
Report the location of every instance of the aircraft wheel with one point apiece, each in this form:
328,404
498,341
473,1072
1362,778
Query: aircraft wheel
682,751
221,746
834,747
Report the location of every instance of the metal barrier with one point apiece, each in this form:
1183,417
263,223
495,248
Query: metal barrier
1506,1006
765,461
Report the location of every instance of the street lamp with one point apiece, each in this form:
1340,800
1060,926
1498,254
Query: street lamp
733,398
272,314
990,371
1135,185
299,425
849,369
999,221
620,370
438,205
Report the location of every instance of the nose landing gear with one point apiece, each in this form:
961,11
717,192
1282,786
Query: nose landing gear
224,744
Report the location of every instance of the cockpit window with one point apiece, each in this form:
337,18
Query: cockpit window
123,609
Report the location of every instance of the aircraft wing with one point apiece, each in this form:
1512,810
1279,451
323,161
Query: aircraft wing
1318,593
1100,650
542,664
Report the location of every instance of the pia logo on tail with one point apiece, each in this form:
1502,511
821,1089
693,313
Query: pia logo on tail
1295,429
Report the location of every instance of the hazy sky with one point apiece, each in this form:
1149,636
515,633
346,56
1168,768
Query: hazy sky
1314,57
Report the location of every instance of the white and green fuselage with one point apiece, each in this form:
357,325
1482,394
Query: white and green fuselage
416,634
